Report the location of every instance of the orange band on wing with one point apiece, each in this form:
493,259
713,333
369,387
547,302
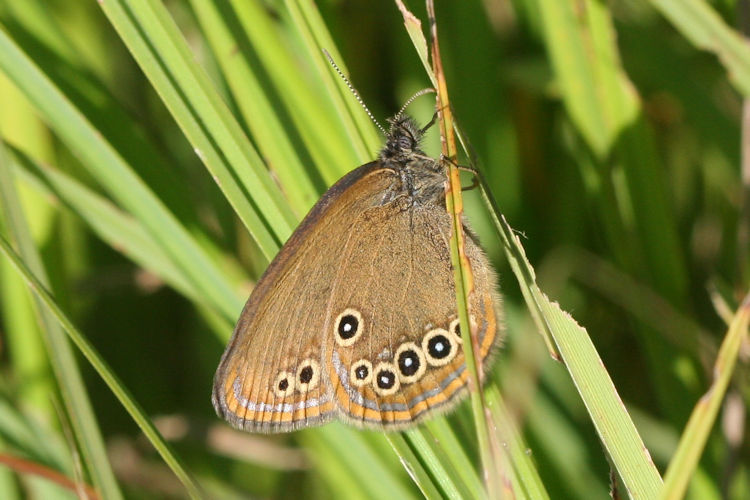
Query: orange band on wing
272,411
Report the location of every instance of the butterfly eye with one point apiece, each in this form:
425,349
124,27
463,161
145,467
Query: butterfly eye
308,375
361,373
348,327
439,346
283,386
405,143
411,362
385,381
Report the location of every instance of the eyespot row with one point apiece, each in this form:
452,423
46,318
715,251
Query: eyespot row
349,327
304,379
437,348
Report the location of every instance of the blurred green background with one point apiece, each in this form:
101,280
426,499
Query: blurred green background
610,134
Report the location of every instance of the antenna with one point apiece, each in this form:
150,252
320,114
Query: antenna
428,90
354,91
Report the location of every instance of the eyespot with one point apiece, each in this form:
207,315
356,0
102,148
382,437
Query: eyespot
360,373
385,379
455,329
308,375
410,361
283,385
348,327
439,347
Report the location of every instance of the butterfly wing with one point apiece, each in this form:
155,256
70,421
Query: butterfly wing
270,378
396,353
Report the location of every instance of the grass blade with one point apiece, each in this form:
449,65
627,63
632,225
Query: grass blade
256,106
101,367
359,129
114,227
61,355
580,42
316,124
611,420
110,169
418,473
341,450
528,483
153,39
700,24
694,437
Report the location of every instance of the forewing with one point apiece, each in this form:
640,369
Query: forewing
270,378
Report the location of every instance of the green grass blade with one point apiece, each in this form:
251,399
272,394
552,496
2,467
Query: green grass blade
700,24
92,95
418,473
20,432
359,129
613,424
101,367
609,416
315,122
114,227
529,484
414,28
114,174
61,355
694,437
549,427
598,97
256,106
455,458
343,450
160,50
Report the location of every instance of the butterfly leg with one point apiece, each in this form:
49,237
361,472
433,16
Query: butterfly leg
472,170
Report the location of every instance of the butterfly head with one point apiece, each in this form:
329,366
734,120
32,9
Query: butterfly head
403,139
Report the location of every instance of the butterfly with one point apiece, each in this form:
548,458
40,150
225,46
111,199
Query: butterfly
355,319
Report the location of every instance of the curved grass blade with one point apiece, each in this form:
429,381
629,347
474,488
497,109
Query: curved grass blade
417,472
359,130
116,228
60,354
344,456
609,416
694,437
162,53
101,367
318,127
108,167
254,100
705,29
598,96
414,28
119,230
453,457
528,483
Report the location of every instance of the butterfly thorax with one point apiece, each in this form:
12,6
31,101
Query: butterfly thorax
421,177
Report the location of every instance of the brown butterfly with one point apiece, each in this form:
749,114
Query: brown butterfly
355,318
